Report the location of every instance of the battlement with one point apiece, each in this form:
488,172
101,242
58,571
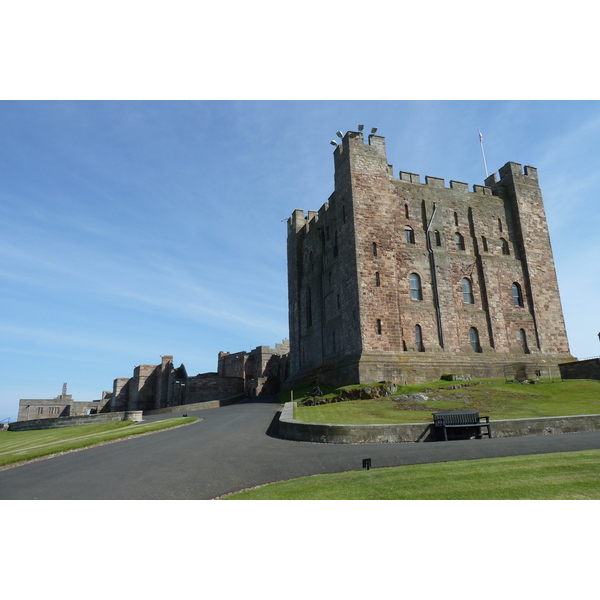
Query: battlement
299,220
513,171
437,182
354,140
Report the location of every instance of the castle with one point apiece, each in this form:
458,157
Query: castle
164,386
392,279
395,279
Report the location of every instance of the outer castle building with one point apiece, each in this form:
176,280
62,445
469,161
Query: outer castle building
394,279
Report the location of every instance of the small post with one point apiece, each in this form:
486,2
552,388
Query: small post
366,463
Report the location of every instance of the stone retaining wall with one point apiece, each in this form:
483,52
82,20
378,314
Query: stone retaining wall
581,369
182,408
292,429
135,415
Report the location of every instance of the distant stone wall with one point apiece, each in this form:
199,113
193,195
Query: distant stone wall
39,409
185,408
581,369
202,388
71,421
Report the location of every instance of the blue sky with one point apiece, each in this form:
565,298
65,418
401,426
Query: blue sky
133,229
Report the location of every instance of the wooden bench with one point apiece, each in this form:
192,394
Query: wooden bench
461,419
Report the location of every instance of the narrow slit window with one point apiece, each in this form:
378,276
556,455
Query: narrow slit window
517,294
505,247
374,248
419,338
438,239
377,279
378,326
484,243
410,234
416,292
460,241
474,339
523,338
467,291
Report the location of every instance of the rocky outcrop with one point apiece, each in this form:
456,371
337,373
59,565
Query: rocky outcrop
379,390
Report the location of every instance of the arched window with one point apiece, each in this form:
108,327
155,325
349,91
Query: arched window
500,225
467,291
378,326
505,247
523,338
406,213
460,241
416,292
410,234
374,249
419,338
438,239
517,294
377,279
474,339
484,243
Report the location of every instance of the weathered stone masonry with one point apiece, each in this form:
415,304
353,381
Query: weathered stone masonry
402,280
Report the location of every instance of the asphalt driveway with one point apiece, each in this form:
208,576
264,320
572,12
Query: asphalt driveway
231,449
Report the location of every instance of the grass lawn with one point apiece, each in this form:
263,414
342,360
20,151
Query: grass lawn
491,397
17,446
556,476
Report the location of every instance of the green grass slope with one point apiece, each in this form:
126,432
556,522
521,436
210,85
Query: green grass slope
18,446
491,397
556,476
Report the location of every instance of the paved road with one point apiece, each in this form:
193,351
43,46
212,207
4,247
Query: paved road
230,450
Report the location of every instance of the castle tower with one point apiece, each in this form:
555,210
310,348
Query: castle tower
397,279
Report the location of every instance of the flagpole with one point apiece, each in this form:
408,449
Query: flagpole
483,153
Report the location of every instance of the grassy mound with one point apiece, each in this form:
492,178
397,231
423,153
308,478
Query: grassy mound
491,397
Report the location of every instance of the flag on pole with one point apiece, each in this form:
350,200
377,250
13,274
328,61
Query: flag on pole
482,152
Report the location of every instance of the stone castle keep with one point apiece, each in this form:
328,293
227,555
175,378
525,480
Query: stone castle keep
395,279
392,279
